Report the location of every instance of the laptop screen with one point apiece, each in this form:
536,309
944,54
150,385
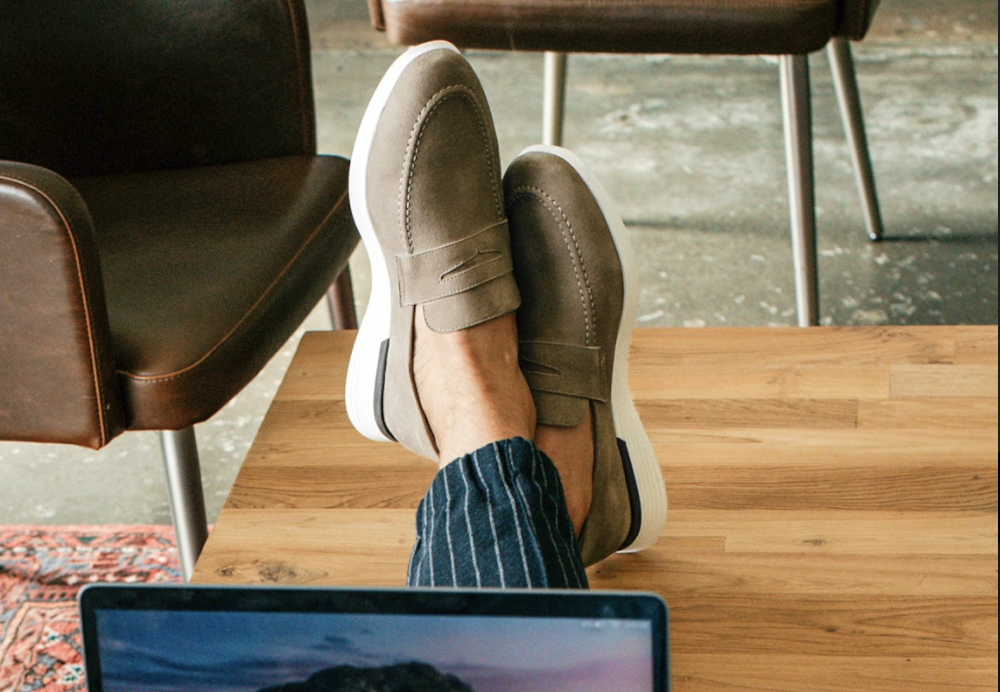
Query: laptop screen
295,640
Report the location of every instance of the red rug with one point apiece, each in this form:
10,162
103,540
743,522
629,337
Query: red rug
41,570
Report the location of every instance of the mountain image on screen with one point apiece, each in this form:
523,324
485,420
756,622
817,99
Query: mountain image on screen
403,677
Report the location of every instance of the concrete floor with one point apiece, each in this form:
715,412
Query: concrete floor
692,148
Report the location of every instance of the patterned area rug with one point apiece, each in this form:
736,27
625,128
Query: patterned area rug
41,570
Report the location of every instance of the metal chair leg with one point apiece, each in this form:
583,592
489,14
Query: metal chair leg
340,301
801,198
187,498
554,101
845,83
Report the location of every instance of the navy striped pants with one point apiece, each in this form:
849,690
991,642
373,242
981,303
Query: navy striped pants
496,518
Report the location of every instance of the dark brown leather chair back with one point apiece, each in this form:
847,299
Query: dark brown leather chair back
91,87
744,27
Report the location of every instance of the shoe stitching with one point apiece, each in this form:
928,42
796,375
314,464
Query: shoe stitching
417,132
589,316
481,258
463,289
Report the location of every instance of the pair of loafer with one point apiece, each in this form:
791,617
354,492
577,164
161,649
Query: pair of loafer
444,231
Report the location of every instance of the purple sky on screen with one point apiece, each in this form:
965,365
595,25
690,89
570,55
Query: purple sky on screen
243,652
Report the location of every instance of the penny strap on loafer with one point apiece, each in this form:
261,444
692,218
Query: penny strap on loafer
456,267
462,283
563,379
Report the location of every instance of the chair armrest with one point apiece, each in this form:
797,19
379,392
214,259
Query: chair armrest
57,375
856,18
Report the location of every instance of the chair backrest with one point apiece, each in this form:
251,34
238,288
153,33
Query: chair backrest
104,86
625,26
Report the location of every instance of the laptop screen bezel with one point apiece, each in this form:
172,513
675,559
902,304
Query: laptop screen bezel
414,601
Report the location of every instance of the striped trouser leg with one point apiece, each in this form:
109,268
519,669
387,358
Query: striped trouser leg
496,518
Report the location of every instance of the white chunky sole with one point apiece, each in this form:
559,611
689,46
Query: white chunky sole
363,391
652,492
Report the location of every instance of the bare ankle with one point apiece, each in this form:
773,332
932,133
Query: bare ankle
572,452
470,386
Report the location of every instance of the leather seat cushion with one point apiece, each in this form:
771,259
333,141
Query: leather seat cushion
204,286
744,27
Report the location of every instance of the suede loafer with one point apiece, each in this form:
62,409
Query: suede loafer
427,197
573,265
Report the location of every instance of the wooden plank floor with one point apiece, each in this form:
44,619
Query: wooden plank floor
833,503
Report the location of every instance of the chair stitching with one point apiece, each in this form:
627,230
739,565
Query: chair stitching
84,296
147,379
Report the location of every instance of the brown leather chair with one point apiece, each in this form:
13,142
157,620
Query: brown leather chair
788,28
165,222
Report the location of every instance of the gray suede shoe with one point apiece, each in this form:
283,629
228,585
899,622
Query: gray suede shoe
427,198
573,264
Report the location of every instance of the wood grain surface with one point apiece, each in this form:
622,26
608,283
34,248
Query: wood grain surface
833,503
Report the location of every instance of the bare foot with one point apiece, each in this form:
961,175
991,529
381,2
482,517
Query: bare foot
572,451
470,386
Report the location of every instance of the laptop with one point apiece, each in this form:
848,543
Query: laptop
256,639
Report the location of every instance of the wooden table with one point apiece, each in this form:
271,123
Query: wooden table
833,503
